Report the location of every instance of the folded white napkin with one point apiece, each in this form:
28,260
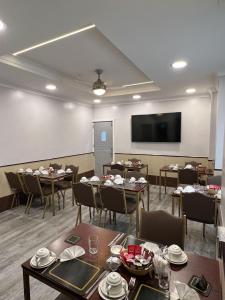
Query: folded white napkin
44,172
29,170
188,166
118,181
142,180
61,171
71,253
69,170
83,179
119,162
188,189
132,180
37,172
184,292
112,177
108,183
113,163
41,168
20,170
150,246
95,178
117,176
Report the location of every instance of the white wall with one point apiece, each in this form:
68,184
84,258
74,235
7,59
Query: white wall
195,129
34,127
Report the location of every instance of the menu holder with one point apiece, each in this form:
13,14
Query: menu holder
199,284
146,292
131,240
75,274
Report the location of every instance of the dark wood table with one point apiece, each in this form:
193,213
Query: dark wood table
127,168
196,265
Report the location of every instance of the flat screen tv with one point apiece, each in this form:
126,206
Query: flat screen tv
156,128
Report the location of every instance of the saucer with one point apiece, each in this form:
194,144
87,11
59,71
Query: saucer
52,259
183,259
103,292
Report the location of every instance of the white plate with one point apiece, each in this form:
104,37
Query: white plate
52,259
182,261
103,293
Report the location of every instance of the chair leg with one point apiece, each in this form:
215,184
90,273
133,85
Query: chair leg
13,200
28,201
45,207
105,218
31,199
130,220
90,213
100,217
64,198
78,215
204,230
114,217
186,226
110,218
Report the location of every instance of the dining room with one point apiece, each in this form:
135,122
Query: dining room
112,152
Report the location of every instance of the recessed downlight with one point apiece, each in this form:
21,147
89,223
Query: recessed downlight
50,87
179,64
191,91
136,97
2,25
97,100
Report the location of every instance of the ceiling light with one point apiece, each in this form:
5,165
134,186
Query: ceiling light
97,101
190,91
99,87
180,64
2,25
50,87
136,97
55,39
139,83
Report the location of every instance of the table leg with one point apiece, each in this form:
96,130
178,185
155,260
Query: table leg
172,205
160,183
137,214
26,286
165,179
148,191
53,199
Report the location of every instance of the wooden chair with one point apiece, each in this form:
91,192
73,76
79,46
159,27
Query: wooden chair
115,172
84,195
114,200
187,176
55,166
15,185
217,180
200,208
163,228
117,167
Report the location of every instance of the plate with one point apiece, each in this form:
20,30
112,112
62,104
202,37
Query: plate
183,260
33,264
102,290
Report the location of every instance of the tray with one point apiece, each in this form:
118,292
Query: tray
146,292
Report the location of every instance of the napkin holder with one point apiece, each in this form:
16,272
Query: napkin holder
200,284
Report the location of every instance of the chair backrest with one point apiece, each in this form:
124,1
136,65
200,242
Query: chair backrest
84,194
217,180
115,172
33,184
113,199
118,167
135,174
199,207
163,228
75,170
55,166
194,164
187,176
14,182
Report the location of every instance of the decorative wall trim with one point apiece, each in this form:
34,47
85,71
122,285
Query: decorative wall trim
204,157
35,161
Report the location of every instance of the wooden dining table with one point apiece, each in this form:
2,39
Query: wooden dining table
196,265
127,168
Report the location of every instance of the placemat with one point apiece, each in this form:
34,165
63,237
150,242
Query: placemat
75,274
146,292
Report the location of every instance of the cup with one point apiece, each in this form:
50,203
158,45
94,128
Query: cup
93,242
174,252
42,256
164,279
114,284
113,262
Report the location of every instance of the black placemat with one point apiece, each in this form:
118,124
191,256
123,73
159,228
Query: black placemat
146,292
75,274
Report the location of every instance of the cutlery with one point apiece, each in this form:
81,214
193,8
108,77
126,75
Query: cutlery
131,285
115,239
94,286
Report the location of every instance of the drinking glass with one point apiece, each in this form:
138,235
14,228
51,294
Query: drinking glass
93,242
164,279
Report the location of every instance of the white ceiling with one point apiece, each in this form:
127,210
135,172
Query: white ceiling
146,36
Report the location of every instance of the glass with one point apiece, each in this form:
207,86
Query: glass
93,244
113,263
164,279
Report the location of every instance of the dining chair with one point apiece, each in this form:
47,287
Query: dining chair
66,183
117,167
55,166
36,190
15,185
199,207
134,160
137,175
161,227
217,180
187,176
84,195
193,163
114,200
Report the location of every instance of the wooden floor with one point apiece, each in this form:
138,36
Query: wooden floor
21,235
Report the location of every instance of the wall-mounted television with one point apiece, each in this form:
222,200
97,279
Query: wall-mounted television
156,128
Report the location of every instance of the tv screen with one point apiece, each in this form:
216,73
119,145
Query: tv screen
157,128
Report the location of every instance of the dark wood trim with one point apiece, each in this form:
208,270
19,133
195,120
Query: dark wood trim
162,155
170,181
30,162
6,202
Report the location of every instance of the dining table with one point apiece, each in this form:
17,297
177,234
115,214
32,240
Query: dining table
134,189
196,265
136,167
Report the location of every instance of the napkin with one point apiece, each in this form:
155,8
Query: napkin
188,189
37,172
95,178
83,179
184,292
159,263
142,180
188,166
132,180
119,163
118,181
61,171
71,253
69,170
113,163
150,246
41,168
111,177
108,183
44,172
29,170
117,176
21,170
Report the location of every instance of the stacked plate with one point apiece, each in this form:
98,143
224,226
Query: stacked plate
33,262
103,291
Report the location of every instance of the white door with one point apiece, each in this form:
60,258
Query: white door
103,145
